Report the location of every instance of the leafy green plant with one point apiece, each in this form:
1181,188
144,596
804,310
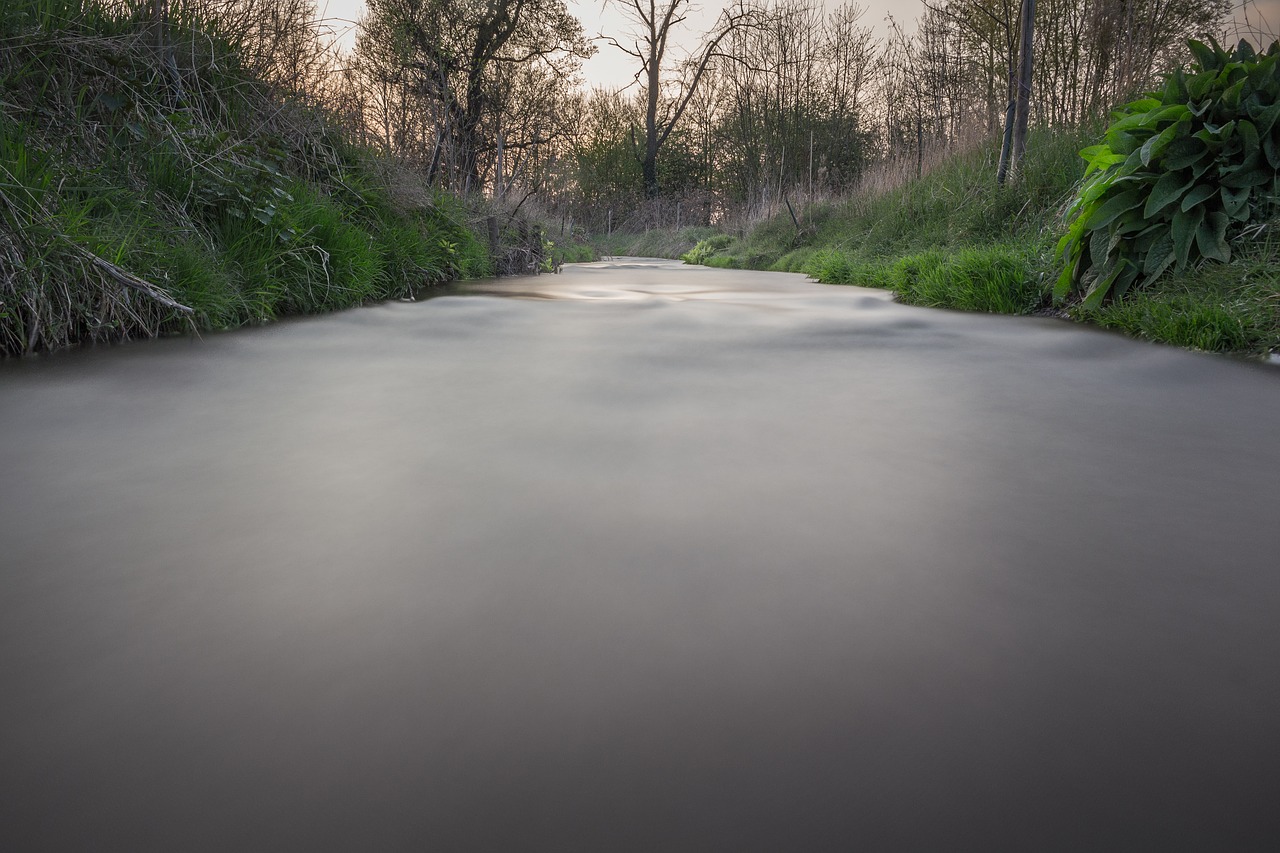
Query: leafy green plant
706,248
1178,175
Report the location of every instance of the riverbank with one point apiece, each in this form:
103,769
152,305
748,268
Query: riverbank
954,239
147,190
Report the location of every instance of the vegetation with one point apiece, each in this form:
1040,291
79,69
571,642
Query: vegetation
955,239
952,238
150,182
1180,176
174,163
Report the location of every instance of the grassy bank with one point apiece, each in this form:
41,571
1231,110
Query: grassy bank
146,189
955,239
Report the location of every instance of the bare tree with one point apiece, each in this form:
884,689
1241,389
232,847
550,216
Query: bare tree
461,58
666,99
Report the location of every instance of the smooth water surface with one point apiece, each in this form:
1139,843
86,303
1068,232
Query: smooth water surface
646,558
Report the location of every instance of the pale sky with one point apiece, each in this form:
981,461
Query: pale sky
611,68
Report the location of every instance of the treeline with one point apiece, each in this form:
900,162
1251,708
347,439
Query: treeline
787,100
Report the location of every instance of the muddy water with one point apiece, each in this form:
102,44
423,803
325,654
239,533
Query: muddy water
648,558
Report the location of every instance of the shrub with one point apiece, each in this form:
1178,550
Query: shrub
1178,175
706,248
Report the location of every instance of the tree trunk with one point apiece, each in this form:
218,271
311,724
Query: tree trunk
1025,68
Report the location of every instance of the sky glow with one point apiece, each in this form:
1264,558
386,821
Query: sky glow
611,68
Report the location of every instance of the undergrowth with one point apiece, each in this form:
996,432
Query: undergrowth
952,238
148,188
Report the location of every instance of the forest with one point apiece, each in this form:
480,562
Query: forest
469,125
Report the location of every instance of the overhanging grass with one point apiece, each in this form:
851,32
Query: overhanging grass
124,198
996,279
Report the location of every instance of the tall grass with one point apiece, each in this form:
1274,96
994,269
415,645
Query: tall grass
951,238
141,195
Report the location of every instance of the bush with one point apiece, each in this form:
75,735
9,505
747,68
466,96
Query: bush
1179,175
706,248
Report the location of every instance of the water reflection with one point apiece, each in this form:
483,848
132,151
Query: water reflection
665,559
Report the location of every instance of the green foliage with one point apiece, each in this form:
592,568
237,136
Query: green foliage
1179,175
996,279
706,248
1219,308
123,194
657,243
575,253
834,266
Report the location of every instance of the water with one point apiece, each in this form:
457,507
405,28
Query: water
668,559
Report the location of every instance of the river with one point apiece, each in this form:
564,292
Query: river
640,557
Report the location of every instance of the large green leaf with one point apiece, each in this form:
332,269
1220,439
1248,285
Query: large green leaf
1160,255
1204,55
1128,275
1102,285
1271,149
1247,178
1063,286
1248,135
1141,242
1119,203
1211,237
1156,145
1169,189
1099,245
1125,142
1184,152
1234,94
1265,118
1235,202
1172,113
1100,157
1198,194
1183,231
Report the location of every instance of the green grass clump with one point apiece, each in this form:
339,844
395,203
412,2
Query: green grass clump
706,248
1231,307
996,279
833,266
